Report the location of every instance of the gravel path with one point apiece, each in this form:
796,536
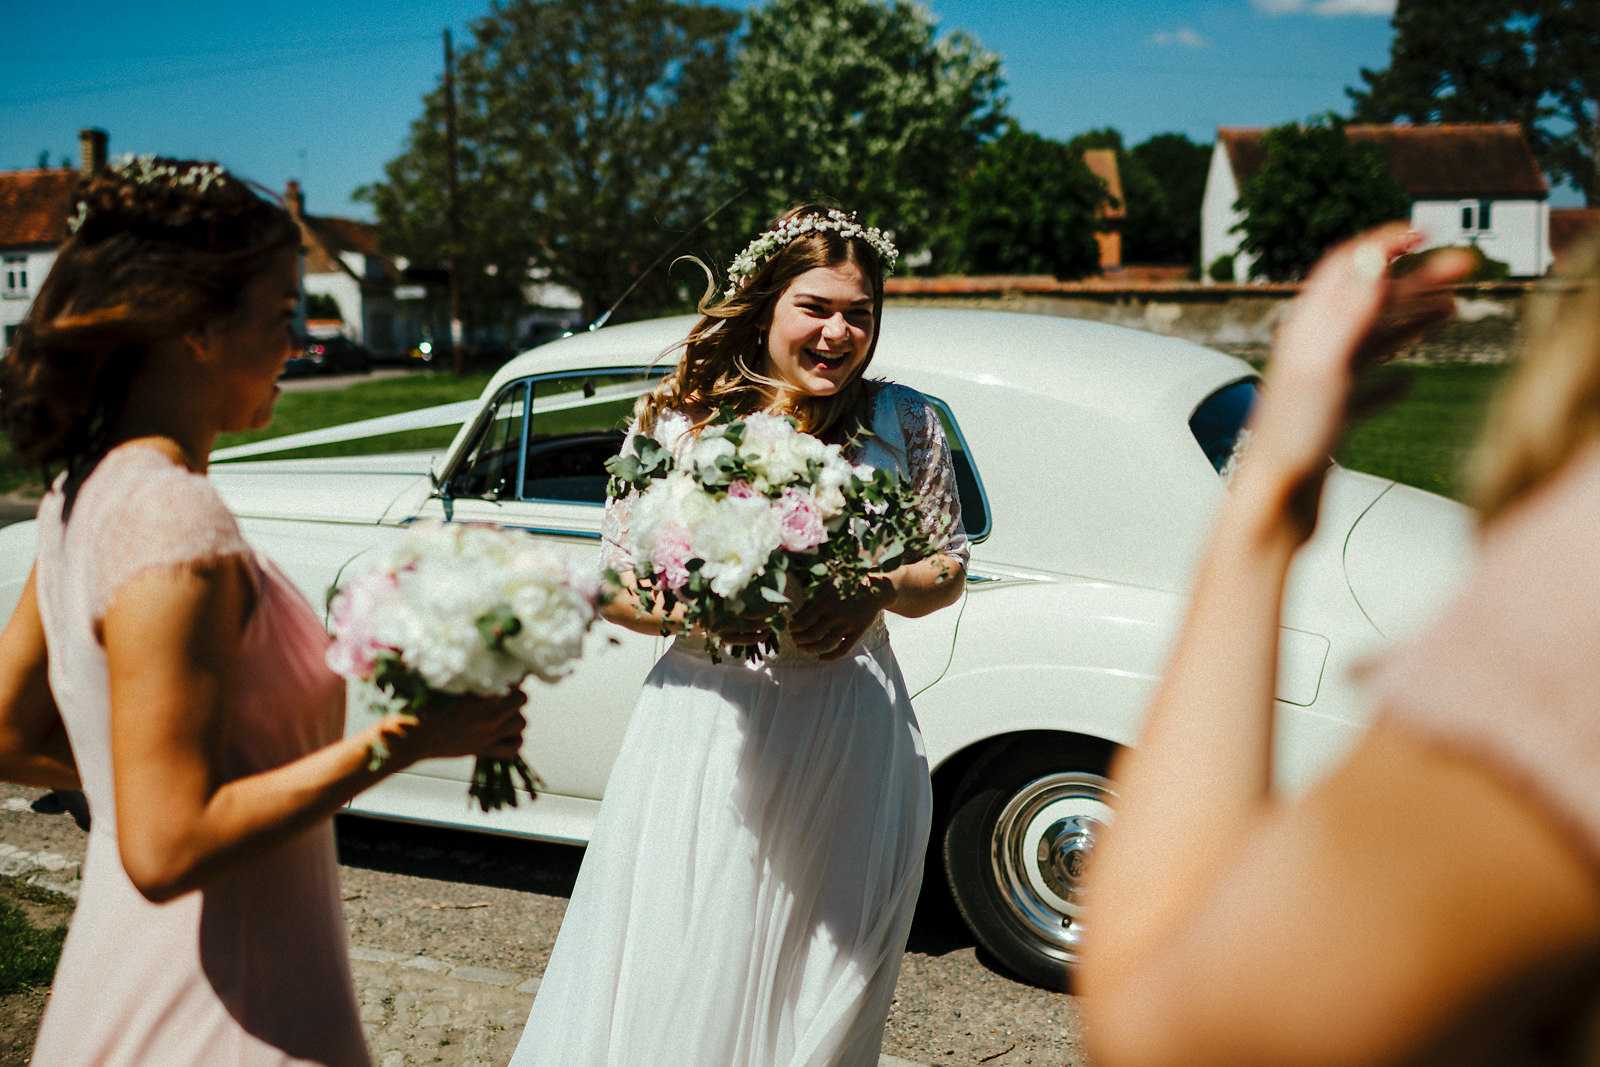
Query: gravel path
450,931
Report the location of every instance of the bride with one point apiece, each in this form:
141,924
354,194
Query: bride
748,890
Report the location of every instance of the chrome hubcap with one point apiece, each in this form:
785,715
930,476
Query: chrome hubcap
1040,850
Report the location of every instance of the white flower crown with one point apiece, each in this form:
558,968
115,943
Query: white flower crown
746,263
148,169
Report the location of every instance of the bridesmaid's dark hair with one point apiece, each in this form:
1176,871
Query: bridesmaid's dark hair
159,247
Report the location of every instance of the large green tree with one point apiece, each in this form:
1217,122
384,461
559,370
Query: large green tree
1163,182
860,101
1163,224
1316,187
583,130
1527,61
1027,207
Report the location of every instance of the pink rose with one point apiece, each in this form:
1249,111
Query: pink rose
742,490
669,556
355,649
799,523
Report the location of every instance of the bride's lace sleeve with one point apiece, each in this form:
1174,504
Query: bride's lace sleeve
616,545
931,472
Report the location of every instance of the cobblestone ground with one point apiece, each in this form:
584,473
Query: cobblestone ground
449,932
411,1016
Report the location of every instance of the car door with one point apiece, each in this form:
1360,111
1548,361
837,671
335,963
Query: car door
536,461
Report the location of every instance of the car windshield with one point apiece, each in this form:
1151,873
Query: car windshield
1218,421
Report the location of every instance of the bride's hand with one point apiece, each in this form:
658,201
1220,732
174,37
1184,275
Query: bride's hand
829,624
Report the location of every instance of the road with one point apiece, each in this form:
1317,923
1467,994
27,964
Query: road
16,508
450,931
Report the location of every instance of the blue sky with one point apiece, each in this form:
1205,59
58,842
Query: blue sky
325,92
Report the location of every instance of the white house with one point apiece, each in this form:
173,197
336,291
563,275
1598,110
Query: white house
1468,184
34,208
342,261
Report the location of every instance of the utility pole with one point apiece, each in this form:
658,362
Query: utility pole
452,216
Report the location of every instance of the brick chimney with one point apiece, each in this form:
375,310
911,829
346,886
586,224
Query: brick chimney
91,149
294,200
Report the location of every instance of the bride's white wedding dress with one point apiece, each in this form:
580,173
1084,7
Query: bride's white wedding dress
746,896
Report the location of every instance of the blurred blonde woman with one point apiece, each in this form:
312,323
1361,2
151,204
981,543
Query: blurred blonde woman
1437,897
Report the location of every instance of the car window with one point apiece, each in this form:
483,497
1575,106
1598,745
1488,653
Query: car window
548,437
578,423
974,503
491,466
1219,420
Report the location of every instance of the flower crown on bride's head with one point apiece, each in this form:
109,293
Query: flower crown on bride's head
767,243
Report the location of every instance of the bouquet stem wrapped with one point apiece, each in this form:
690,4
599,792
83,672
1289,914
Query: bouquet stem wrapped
461,609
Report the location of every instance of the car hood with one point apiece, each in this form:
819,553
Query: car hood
354,489
1405,555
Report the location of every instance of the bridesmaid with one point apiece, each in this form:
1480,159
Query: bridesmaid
165,665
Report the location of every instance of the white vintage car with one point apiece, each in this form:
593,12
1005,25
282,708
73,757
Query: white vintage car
1090,459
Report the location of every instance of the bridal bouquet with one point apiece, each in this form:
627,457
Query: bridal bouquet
458,609
752,516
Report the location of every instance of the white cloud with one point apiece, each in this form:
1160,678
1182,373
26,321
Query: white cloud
1330,8
1181,38
1379,8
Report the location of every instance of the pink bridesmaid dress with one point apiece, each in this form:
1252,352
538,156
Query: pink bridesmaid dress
253,969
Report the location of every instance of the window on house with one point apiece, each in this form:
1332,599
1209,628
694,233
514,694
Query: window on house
14,276
1475,216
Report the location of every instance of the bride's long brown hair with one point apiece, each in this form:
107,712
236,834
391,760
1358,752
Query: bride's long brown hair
725,350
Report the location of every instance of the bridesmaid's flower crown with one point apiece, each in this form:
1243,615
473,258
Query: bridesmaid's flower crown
152,171
769,242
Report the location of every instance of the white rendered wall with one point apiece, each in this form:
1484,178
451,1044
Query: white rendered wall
1518,234
1218,217
13,309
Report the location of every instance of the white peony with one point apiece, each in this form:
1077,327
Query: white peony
735,542
678,499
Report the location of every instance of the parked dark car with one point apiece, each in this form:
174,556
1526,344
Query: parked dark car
330,355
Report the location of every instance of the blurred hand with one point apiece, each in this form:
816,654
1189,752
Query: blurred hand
1351,314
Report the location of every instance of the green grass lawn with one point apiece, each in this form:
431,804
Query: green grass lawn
1425,438
32,929
298,411
1421,441
311,410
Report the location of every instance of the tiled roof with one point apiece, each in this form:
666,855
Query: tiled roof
34,206
326,238
1102,163
1444,162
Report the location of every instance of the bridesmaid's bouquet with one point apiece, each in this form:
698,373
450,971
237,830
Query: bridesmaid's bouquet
461,609
751,516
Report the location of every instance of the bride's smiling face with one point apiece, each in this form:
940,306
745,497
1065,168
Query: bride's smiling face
821,329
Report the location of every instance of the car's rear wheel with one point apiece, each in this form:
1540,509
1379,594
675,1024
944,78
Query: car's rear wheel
1023,820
